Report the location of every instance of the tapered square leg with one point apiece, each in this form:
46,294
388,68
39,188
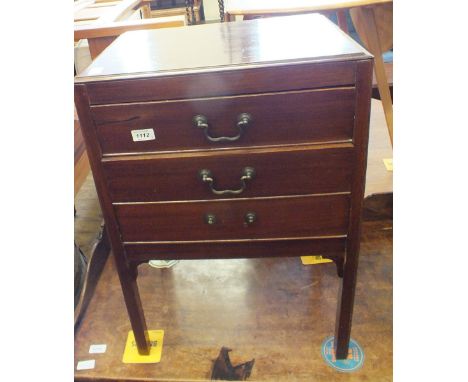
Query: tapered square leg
134,309
345,306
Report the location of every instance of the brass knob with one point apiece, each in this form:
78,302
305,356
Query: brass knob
200,121
250,218
210,219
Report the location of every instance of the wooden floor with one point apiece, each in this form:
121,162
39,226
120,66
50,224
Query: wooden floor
277,311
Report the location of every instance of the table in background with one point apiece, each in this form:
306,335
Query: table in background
372,20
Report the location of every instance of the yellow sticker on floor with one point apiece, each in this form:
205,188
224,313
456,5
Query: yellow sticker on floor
131,351
310,260
388,164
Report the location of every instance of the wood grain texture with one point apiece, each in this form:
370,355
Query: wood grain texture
119,27
348,282
300,170
217,83
224,45
276,118
258,69
299,216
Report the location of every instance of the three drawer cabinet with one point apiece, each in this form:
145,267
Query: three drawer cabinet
227,141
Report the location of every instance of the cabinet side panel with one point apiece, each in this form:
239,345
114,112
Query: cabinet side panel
94,154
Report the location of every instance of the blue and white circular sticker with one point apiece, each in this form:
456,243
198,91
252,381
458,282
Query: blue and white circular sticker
353,362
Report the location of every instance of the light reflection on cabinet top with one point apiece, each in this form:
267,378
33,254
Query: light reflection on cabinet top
233,45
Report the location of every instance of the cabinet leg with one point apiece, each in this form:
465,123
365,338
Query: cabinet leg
135,310
345,307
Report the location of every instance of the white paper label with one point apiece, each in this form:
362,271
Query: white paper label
86,365
143,135
96,349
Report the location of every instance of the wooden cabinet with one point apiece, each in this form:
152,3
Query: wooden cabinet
249,144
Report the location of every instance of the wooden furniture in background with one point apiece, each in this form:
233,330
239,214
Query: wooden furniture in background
223,156
372,19
191,9
81,169
378,179
374,24
101,22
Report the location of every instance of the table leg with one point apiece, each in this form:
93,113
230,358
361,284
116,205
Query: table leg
366,19
146,11
342,22
98,44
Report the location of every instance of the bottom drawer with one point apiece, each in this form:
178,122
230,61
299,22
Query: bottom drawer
227,249
252,218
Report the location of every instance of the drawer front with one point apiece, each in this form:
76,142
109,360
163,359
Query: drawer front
236,249
224,83
291,171
325,115
256,218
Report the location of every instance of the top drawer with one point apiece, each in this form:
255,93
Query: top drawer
323,115
217,82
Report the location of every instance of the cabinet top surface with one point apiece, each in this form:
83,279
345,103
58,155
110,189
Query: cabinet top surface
221,46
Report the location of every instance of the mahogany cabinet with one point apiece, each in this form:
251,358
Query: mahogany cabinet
230,140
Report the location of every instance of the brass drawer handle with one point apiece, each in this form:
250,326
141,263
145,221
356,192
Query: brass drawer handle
206,176
243,120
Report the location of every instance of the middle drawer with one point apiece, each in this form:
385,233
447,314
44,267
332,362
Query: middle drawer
289,171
